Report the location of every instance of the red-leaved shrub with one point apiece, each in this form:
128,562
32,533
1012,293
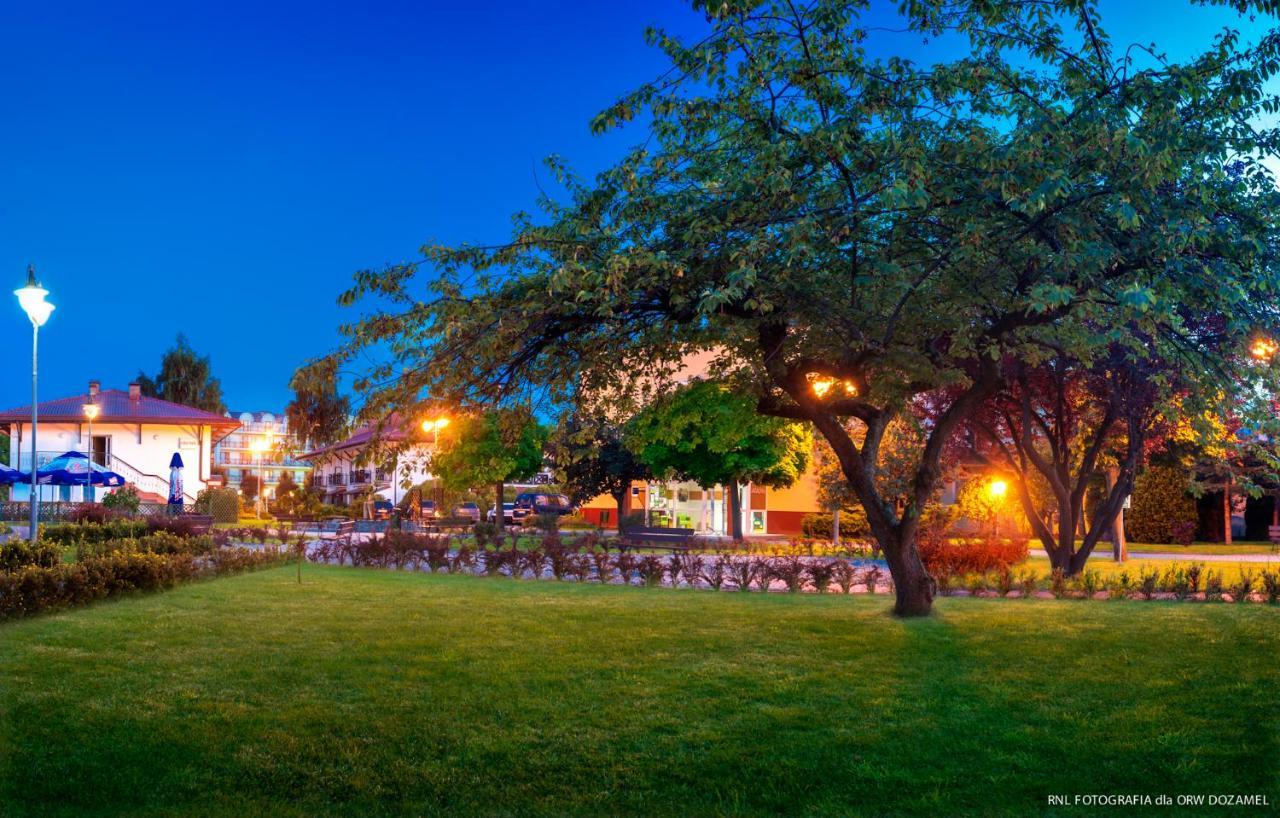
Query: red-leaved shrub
947,557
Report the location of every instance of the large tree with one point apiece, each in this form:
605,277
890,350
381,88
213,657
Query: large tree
185,377
491,448
318,414
708,434
591,458
818,215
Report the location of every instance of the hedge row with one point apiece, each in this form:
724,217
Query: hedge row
37,588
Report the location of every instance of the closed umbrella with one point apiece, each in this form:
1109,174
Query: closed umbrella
175,483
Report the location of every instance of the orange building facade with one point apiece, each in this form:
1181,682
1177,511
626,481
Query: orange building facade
765,511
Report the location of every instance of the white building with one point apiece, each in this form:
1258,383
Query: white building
133,435
342,477
238,455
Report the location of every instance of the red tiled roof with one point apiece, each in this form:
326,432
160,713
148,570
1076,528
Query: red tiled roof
115,406
392,431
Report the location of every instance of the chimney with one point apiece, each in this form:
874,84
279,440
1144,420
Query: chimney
135,391
93,388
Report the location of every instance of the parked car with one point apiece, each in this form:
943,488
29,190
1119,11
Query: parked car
507,509
382,509
533,503
467,510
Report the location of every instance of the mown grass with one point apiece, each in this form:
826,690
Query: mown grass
365,692
1106,567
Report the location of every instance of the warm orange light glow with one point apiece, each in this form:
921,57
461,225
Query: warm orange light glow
821,385
91,411
260,445
998,488
1264,349
434,425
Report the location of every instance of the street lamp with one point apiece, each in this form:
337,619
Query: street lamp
260,445
90,412
434,425
31,298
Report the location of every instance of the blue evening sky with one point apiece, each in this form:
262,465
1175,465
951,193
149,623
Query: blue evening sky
219,169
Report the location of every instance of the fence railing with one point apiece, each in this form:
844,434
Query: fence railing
60,511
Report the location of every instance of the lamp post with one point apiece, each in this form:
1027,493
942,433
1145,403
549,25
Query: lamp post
260,445
90,412
434,426
31,298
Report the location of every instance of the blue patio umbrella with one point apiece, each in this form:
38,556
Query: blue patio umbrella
74,469
10,476
175,481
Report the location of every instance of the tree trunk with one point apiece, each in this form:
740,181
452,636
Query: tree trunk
835,527
500,490
1226,515
912,585
1119,548
735,511
621,501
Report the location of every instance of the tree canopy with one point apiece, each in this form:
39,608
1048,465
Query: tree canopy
817,214
186,378
318,414
591,458
490,449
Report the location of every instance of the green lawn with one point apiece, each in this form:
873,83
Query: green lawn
380,693
1261,548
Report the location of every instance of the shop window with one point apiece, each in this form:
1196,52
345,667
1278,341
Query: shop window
757,497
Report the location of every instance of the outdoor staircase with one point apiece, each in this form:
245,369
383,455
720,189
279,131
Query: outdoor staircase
152,488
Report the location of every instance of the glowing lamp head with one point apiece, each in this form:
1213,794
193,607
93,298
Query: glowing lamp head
997,489
260,445
1263,348
91,411
434,425
31,298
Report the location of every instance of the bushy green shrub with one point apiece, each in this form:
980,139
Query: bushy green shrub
91,532
821,526
222,504
18,554
35,589
1162,509
124,499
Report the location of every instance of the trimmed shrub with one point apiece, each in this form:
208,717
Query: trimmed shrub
222,504
34,588
1162,510
974,556
18,554
821,526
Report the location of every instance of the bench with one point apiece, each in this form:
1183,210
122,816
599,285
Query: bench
663,539
200,523
450,524
1273,533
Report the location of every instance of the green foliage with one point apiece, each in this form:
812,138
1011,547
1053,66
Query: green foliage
493,447
807,208
318,413
124,499
222,503
853,524
708,434
185,378
1161,500
591,459
17,554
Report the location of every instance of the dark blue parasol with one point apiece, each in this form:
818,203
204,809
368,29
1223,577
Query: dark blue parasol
10,476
